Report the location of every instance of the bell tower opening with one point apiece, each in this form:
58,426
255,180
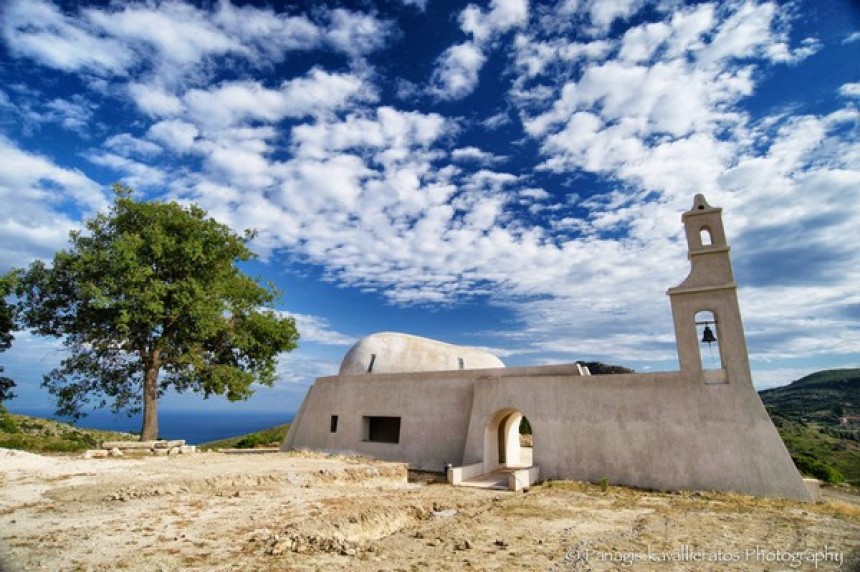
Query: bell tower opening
707,330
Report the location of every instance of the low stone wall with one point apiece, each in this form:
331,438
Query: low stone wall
123,448
522,479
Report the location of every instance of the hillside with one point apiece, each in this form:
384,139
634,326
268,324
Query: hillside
48,436
822,397
272,437
818,417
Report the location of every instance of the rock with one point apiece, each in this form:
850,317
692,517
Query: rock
129,444
187,449
465,545
445,513
500,543
95,454
173,451
168,444
115,452
160,451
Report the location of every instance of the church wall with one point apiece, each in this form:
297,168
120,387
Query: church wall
433,408
658,431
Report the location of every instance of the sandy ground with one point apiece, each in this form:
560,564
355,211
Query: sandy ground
301,512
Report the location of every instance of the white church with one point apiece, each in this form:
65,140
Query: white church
442,407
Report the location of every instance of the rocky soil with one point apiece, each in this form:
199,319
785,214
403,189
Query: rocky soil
281,511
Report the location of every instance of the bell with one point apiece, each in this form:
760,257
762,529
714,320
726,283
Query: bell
708,335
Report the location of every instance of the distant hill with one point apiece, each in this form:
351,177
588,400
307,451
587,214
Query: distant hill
818,417
825,396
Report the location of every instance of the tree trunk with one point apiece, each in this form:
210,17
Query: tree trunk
149,431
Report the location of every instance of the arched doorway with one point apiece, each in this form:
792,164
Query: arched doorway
508,441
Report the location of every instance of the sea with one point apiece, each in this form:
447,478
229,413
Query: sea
195,427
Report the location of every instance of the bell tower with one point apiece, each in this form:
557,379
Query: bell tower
707,298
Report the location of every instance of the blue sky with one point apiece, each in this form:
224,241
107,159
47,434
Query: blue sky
504,174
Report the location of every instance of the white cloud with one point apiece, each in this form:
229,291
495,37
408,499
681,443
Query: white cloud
163,48
534,194
270,33
355,33
457,69
850,89
502,16
301,369
175,31
604,12
41,192
318,329
132,172
154,100
640,43
746,32
473,154
390,129
456,73
175,134
237,102
37,29
128,145
73,114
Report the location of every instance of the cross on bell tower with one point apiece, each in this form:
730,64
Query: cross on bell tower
710,287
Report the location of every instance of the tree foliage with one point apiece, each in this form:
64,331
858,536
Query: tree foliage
148,297
7,326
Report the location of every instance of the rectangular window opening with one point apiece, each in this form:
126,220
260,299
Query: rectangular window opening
333,427
461,363
381,429
372,361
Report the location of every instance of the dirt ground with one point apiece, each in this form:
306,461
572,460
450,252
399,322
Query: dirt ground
278,511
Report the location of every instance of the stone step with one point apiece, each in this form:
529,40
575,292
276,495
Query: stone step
160,444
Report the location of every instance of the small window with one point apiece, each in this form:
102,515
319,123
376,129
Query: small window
461,363
333,427
382,429
705,236
372,361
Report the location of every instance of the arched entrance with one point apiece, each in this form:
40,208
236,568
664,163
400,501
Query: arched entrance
504,447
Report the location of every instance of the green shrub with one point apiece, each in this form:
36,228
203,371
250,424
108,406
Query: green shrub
18,441
251,441
7,424
525,426
65,446
603,483
815,468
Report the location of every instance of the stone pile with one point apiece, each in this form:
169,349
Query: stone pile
122,448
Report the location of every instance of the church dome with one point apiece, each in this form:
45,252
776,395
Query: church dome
391,352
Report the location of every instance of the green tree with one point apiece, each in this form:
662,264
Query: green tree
7,326
147,298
